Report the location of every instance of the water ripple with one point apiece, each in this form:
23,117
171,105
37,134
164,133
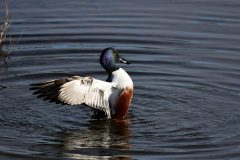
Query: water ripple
185,68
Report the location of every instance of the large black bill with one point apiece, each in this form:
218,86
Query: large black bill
122,60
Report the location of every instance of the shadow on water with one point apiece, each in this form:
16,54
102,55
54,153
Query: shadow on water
102,139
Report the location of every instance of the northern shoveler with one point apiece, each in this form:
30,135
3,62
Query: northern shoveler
110,98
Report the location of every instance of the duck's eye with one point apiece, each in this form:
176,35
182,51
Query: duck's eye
116,55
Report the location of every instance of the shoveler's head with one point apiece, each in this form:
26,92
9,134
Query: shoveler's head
109,58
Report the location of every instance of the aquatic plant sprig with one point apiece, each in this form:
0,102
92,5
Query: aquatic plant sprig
3,33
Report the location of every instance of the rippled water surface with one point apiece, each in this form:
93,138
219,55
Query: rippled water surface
185,58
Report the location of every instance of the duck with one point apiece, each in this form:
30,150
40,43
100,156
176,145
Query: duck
109,99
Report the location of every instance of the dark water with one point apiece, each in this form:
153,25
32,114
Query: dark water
185,66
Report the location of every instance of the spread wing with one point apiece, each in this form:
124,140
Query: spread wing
77,90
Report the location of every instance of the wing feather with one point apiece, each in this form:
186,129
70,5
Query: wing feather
92,92
77,90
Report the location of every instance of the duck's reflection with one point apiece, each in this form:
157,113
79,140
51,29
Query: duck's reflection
3,61
101,140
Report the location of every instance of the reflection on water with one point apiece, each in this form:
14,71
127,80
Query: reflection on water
102,139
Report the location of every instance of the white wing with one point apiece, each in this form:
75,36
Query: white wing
92,92
78,90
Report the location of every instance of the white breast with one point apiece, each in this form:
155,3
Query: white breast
122,79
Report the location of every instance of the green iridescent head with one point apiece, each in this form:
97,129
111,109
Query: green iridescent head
109,58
